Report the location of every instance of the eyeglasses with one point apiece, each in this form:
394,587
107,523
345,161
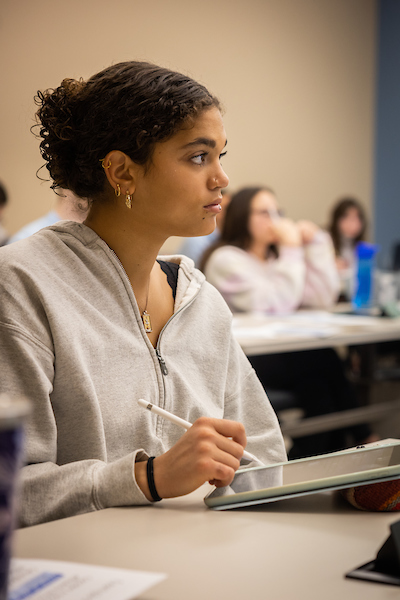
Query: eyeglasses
270,213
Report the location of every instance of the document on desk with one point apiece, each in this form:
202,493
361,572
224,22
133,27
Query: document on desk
285,328
47,579
303,324
332,318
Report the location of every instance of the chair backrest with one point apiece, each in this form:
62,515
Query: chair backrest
282,399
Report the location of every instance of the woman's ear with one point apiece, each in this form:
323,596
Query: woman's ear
120,172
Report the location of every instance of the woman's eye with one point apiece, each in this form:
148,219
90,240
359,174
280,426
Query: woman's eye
223,154
199,159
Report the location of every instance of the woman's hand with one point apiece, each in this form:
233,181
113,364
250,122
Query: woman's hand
308,231
209,451
341,263
287,233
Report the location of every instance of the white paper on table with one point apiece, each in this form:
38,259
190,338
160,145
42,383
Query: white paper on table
285,329
33,579
322,316
303,324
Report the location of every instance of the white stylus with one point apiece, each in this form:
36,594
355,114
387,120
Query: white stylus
182,423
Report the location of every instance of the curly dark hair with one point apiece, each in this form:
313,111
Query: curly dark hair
128,107
340,209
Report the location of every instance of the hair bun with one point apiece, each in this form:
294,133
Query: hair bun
58,129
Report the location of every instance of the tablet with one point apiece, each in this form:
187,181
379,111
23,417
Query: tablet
371,463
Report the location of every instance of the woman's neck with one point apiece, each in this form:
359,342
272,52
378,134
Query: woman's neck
135,247
347,242
259,250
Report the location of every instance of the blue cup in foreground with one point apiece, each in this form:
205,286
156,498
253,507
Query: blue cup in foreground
13,412
363,294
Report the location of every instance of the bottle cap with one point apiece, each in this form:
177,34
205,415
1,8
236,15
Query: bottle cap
366,250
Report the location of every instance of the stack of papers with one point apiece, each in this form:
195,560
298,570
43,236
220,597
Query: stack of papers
54,580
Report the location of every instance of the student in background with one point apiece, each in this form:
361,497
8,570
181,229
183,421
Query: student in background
3,205
347,227
264,263
67,208
194,247
91,321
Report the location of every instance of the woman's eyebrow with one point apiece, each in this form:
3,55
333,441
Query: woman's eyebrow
202,141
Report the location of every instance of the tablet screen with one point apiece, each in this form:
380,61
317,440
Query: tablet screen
321,467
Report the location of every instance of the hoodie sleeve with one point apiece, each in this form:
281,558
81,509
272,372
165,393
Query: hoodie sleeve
70,489
247,402
322,282
275,286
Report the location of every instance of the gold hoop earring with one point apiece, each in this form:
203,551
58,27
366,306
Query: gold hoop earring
117,190
103,165
128,199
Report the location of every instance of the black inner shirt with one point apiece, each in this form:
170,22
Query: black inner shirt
171,270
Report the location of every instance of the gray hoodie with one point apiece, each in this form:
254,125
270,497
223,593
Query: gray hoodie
72,341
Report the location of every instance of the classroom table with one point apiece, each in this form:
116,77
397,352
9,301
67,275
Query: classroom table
297,548
308,329
311,329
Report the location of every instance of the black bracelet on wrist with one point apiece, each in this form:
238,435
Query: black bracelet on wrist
150,480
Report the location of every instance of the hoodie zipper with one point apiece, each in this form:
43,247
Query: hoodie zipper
163,366
161,361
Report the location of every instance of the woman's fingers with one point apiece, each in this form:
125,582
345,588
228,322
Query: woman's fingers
308,230
229,436
288,233
209,451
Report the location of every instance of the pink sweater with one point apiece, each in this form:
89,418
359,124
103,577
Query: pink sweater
301,276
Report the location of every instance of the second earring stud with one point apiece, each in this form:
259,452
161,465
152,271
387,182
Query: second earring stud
128,200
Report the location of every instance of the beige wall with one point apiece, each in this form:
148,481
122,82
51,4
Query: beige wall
296,78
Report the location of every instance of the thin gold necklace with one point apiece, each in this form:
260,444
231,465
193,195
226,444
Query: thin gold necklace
145,315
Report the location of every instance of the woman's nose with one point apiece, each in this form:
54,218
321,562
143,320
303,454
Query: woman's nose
220,179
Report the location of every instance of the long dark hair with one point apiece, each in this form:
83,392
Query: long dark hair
3,196
235,229
338,212
128,107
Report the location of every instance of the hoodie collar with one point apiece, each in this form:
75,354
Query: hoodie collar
190,279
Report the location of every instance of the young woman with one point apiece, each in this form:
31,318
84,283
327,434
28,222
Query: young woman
267,264
347,226
91,320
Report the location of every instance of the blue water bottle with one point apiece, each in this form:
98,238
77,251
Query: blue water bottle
363,294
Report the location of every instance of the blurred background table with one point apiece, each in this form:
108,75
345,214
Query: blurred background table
309,329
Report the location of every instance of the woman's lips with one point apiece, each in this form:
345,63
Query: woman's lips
215,207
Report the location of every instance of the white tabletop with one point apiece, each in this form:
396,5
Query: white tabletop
305,330
297,548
